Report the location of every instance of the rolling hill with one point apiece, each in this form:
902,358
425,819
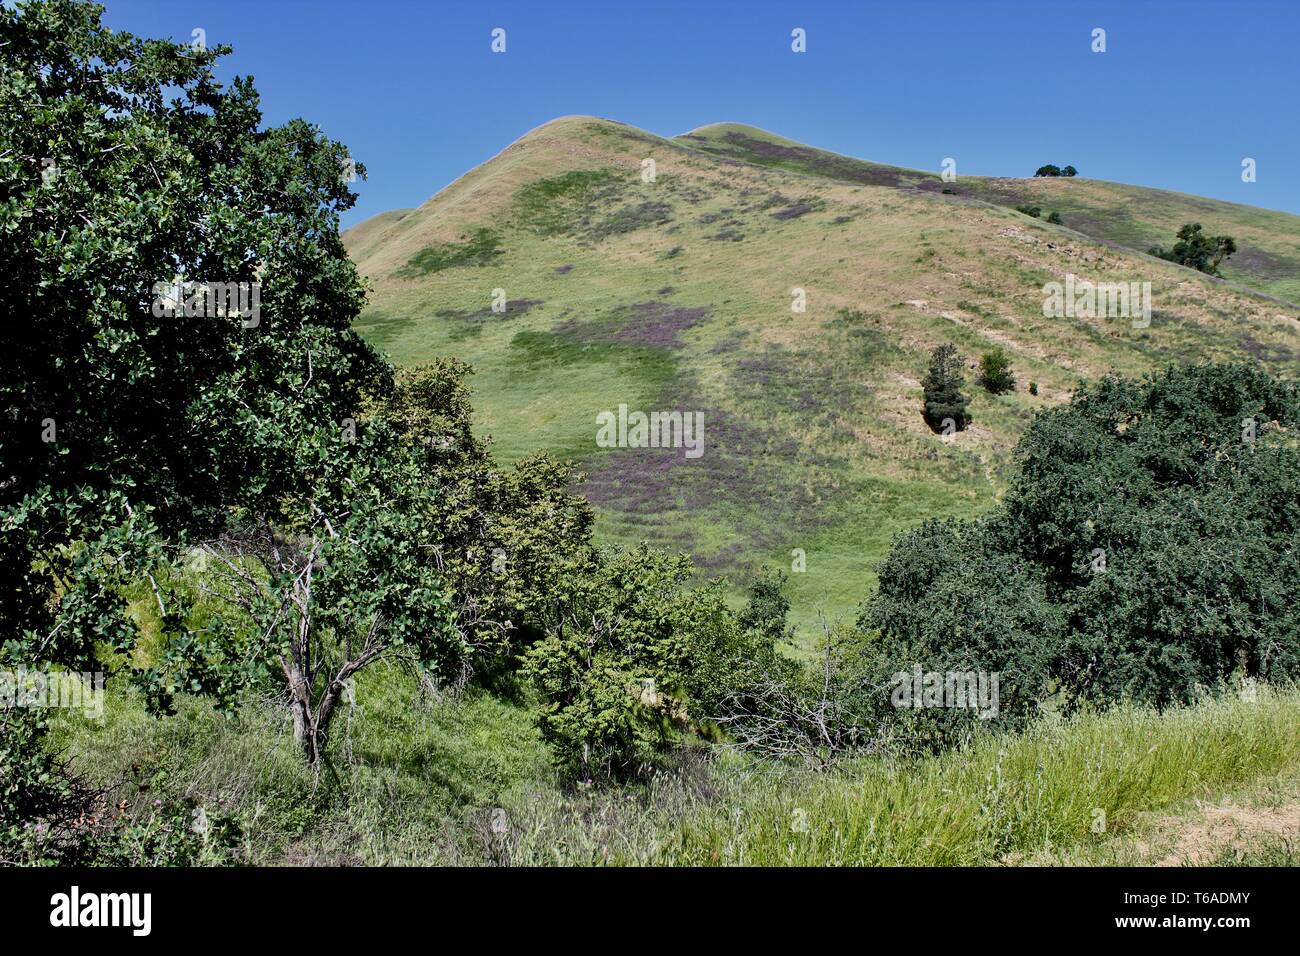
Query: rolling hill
676,294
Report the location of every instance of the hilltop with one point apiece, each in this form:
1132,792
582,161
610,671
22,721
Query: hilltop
677,293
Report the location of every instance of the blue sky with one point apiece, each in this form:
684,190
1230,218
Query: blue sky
1184,91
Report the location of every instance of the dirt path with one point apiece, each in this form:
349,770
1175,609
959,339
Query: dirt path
1200,839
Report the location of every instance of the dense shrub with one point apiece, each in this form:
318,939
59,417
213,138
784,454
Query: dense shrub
292,510
1145,549
633,662
952,599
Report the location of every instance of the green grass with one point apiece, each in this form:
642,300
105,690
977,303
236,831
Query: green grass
556,206
420,778
997,802
410,771
479,248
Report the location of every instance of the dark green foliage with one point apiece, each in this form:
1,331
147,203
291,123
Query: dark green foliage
122,164
995,372
479,248
945,405
1033,388
292,511
1054,218
1198,251
952,599
48,817
1033,211
1069,171
1051,170
1146,549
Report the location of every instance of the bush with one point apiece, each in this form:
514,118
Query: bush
49,817
945,405
995,372
632,663
1145,550
953,600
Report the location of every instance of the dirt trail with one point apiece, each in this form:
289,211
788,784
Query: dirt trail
1202,838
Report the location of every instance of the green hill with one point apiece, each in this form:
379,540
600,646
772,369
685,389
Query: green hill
676,294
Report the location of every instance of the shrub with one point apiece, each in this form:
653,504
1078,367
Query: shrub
631,662
1054,218
1034,211
995,372
952,600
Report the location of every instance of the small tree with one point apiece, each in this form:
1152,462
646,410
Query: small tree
944,401
1048,170
1198,251
768,608
343,579
995,372
1069,171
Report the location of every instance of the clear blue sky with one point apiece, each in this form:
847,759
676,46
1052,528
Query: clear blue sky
1185,90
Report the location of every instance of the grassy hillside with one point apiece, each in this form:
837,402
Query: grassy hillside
676,294
1268,242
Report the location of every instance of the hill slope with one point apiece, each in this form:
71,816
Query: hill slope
676,294
1268,242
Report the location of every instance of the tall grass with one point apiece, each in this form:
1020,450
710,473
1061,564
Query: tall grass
1061,783
467,781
